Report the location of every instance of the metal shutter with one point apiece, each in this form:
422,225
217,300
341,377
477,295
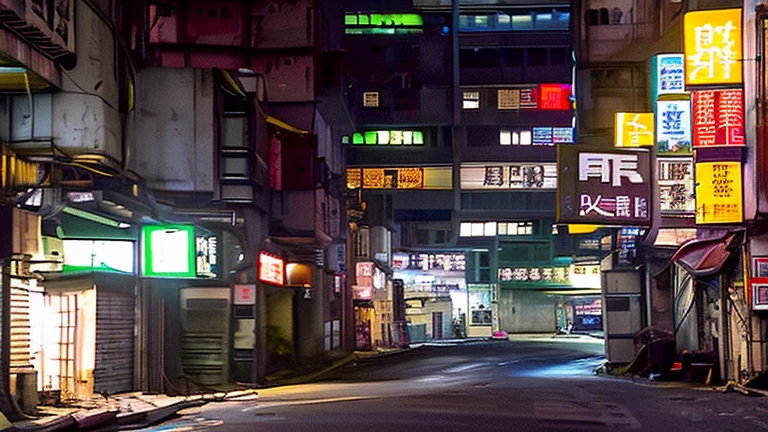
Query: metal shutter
114,343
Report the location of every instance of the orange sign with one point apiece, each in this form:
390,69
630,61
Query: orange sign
713,47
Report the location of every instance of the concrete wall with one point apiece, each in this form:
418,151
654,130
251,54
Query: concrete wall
85,116
524,311
174,143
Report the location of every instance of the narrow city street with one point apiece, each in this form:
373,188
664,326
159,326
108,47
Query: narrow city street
526,384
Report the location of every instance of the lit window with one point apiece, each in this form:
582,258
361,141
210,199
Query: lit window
515,138
503,20
465,230
481,21
522,22
477,229
525,138
383,137
502,228
371,99
505,137
490,229
471,100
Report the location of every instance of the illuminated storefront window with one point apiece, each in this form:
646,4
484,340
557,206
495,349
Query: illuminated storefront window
378,23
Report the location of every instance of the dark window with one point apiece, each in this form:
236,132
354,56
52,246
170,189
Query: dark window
558,56
537,57
478,58
514,57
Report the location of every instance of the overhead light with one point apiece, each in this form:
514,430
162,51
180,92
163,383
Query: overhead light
96,218
12,70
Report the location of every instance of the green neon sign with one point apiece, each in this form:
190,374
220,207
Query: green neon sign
378,23
169,251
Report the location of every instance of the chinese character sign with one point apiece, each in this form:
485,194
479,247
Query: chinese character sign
634,129
673,127
556,276
603,187
555,96
718,118
713,47
718,193
670,75
676,185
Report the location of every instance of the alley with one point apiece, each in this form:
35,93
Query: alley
533,384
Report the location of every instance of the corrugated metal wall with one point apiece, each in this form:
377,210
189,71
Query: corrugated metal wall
114,343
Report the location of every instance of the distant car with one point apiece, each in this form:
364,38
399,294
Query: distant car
500,335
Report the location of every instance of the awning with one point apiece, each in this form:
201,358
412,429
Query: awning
706,257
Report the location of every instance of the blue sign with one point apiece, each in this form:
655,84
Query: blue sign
673,127
670,74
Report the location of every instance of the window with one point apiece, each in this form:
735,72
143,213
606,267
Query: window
515,228
508,99
537,57
515,137
470,100
371,99
479,229
505,137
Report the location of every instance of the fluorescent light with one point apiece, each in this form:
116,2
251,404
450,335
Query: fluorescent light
95,218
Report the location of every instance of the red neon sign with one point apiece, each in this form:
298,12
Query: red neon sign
555,96
271,269
718,118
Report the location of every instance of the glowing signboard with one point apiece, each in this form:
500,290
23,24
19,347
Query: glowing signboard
634,129
431,178
718,118
515,176
673,127
670,74
388,137
713,47
271,269
718,193
555,96
599,186
169,251
535,275
676,185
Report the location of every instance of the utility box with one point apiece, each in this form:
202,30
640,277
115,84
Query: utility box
622,311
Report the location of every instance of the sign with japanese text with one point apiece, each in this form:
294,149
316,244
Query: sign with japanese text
452,262
603,187
673,127
515,176
634,129
244,295
529,98
670,75
553,276
718,118
555,96
676,185
713,47
271,269
718,193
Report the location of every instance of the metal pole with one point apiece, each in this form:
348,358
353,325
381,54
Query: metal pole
7,406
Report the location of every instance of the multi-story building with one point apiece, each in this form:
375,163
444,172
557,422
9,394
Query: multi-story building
172,194
458,112
698,267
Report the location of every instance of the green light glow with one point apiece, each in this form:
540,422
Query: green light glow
394,137
357,138
371,137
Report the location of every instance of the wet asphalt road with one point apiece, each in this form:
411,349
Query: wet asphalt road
520,385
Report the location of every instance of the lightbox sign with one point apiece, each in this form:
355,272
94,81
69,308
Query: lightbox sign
538,276
673,126
104,255
633,129
271,269
718,118
453,262
169,251
712,47
555,96
551,135
430,178
206,259
388,137
603,187
381,23
718,193
516,176
670,74
584,275
676,185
